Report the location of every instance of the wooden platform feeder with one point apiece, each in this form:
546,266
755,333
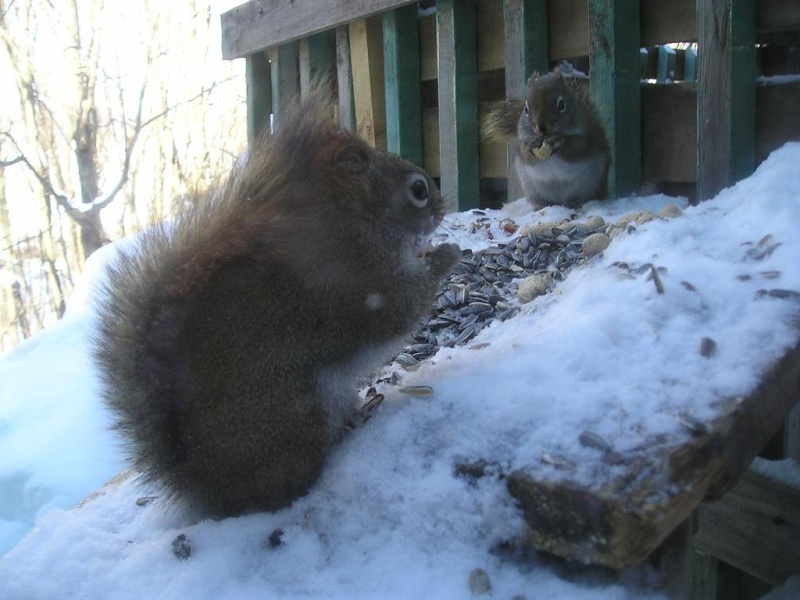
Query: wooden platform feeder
679,87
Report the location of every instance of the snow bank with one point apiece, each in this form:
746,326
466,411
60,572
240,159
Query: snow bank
390,518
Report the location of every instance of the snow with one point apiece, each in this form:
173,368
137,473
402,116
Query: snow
389,518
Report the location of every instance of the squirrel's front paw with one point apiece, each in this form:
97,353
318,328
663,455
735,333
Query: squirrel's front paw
442,258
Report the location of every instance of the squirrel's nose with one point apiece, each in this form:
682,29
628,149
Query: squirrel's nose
539,127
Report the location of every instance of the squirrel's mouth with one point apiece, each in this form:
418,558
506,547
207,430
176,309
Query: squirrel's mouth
543,148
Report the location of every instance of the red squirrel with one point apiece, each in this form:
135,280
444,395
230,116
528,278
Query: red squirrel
229,342
562,154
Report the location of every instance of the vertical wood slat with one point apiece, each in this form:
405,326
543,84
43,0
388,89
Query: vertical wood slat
666,64
458,103
615,88
259,94
283,69
366,56
313,59
344,80
712,579
726,93
690,65
526,48
401,73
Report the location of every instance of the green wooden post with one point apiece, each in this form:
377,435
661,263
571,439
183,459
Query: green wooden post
458,103
726,94
344,79
313,59
401,74
526,51
259,94
666,64
615,88
284,79
690,65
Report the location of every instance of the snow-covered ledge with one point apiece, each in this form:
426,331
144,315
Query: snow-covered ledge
628,389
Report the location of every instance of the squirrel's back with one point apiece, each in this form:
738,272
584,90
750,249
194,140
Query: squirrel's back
229,340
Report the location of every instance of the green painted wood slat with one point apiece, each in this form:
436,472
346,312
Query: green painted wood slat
614,64
526,51
313,59
401,71
458,103
284,71
258,94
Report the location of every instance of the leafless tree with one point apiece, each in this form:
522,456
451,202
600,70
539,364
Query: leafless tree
86,116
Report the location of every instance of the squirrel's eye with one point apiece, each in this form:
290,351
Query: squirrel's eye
527,110
561,105
418,192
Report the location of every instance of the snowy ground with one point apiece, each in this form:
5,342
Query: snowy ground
389,519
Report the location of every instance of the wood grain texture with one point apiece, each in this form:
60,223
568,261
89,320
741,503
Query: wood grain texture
525,32
618,520
262,24
285,78
614,64
754,527
344,80
259,94
726,94
402,83
314,59
458,104
366,56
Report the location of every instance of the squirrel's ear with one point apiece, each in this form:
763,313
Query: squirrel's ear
534,76
557,72
353,156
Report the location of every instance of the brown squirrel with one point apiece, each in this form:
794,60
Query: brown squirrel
229,342
562,154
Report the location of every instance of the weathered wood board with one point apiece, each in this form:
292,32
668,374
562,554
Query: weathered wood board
620,521
669,126
763,511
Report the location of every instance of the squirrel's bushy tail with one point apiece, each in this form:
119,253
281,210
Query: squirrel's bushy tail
500,123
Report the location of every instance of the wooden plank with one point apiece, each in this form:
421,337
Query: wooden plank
669,140
366,55
614,60
259,94
402,83
285,81
261,24
666,64
754,527
669,131
777,15
712,579
690,65
525,32
344,80
776,116
489,34
619,521
726,94
493,154
665,21
458,104
428,55
313,59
